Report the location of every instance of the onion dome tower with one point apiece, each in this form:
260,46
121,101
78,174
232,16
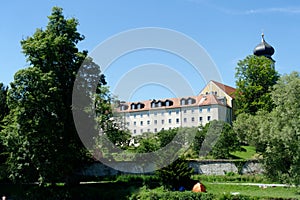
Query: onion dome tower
264,49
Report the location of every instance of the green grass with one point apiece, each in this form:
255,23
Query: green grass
247,152
254,191
126,186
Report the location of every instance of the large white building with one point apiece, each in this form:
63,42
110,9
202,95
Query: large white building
214,102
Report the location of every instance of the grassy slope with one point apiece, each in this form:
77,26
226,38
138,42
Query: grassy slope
248,152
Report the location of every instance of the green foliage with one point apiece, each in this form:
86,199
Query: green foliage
281,133
226,143
40,134
176,175
220,140
3,113
255,77
3,103
161,194
276,134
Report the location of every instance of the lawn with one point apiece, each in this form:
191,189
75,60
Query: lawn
247,152
125,187
254,191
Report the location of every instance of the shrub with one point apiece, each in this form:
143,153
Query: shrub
176,175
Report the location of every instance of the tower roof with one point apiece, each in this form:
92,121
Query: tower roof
263,49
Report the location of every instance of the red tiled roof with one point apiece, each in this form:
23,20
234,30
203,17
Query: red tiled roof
229,90
201,100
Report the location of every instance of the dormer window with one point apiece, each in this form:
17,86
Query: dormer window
123,107
182,102
191,101
159,104
169,103
133,106
153,104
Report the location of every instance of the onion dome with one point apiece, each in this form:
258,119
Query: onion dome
264,49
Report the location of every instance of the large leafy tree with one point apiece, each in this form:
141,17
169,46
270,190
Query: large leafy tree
41,135
3,112
281,131
255,75
3,102
276,133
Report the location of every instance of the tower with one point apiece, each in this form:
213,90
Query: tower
264,49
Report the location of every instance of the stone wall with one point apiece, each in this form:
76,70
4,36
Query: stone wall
209,167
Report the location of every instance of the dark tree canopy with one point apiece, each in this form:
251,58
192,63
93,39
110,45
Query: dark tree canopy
255,75
41,135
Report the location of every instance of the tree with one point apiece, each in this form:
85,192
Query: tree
3,112
216,138
276,133
226,143
255,76
246,128
41,136
281,131
3,104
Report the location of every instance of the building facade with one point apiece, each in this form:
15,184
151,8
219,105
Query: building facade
214,102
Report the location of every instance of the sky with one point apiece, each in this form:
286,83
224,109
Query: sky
227,31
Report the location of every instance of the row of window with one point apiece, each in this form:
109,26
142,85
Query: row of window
148,122
169,112
155,104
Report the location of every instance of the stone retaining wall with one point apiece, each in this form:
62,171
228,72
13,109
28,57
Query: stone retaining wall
209,167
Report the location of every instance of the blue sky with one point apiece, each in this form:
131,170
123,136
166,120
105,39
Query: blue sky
227,30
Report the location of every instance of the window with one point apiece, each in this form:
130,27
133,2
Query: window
190,101
148,122
208,109
155,121
182,102
200,110
141,123
192,110
162,113
134,123
155,113
142,131
132,106
134,115
177,121
162,121
184,111
177,112
153,105
127,123
193,119
170,121
208,118
148,130
141,115
134,131
184,120
162,129
159,104
155,130
170,112
200,119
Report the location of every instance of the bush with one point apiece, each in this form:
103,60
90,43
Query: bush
161,194
176,175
